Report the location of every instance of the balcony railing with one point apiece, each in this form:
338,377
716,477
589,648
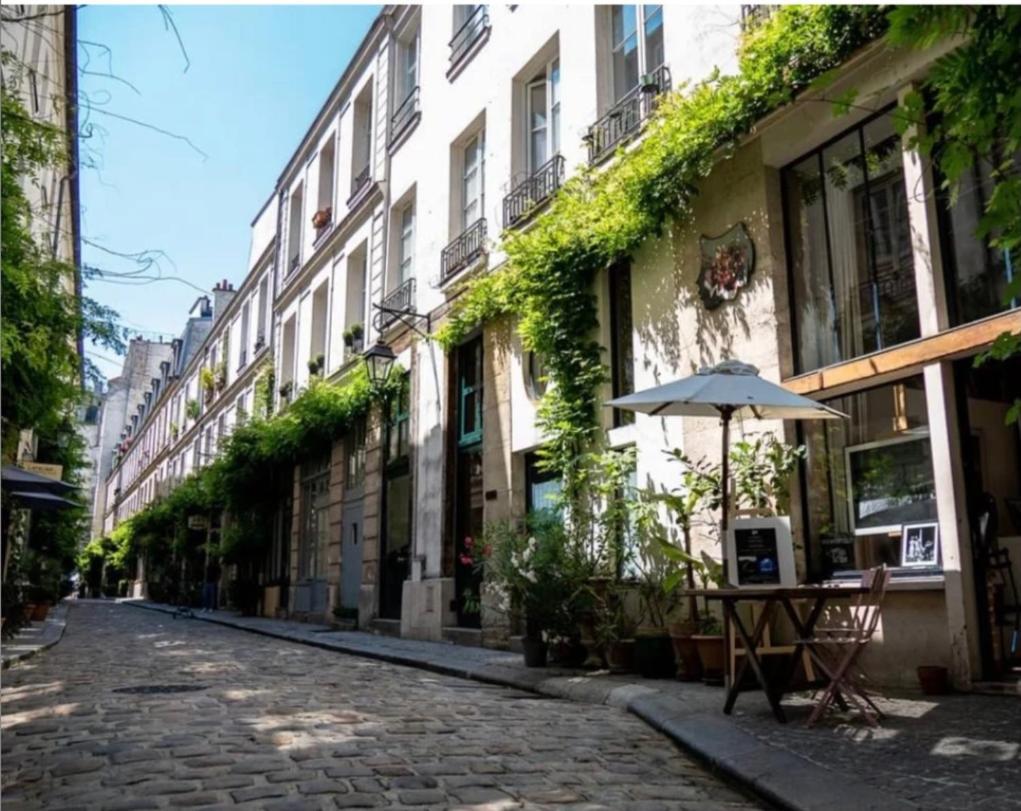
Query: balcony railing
404,115
625,119
398,300
469,33
754,16
360,180
464,250
532,192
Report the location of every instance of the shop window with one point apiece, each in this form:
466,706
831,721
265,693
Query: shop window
470,388
977,275
869,478
849,243
622,352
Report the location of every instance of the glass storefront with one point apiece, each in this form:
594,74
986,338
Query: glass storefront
849,247
871,493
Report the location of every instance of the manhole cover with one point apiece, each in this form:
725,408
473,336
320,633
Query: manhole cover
158,689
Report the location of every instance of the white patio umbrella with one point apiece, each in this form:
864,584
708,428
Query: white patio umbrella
724,390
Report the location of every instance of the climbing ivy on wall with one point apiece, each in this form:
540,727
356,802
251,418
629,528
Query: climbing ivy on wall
600,217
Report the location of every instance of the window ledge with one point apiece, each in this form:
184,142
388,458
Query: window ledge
928,582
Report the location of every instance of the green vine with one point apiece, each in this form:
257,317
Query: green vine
599,218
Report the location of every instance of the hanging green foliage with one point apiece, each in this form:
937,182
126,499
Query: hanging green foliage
598,218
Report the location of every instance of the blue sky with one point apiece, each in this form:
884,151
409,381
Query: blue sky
257,76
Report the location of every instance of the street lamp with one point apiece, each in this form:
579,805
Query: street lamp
379,360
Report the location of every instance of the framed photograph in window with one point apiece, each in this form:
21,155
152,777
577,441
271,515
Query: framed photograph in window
919,545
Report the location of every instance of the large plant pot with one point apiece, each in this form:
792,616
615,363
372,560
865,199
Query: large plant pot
689,665
654,656
934,680
40,612
712,655
620,656
535,652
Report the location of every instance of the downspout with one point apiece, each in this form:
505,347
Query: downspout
71,122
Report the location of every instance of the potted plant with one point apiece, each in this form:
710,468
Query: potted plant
322,217
700,489
353,337
657,588
207,380
615,627
709,639
220,375
192,409
315,366
285,390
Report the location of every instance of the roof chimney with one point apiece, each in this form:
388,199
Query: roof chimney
223,294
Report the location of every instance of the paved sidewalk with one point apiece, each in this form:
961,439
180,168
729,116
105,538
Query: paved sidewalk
36,636
953,752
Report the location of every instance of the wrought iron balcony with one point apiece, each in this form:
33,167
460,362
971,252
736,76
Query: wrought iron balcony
464,250
526,197
754,16
399,300
625,119
360,180
469,33
404,115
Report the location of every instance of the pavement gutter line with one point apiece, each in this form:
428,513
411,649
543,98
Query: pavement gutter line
720,745
56,619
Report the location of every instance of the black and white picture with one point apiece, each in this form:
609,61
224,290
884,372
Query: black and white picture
919,545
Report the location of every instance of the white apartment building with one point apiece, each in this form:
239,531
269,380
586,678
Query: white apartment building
451,124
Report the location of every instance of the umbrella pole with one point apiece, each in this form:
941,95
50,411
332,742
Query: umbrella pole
725,414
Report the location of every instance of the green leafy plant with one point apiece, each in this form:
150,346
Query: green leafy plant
192,409
762,469
207,380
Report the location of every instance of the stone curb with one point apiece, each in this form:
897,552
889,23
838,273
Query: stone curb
778,777
19,649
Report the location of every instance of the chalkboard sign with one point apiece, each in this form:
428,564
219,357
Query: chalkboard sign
760,552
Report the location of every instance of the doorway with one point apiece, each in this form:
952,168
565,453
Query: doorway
468,486
310,590
395,552
991,451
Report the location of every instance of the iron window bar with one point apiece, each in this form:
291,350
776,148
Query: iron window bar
625,118
465,249
469,33
397,306
404,114
529,195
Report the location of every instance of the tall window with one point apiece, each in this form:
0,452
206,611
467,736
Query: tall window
472,180
544,117
408,66
636,45
406,244
470,391
868,477
622,353
977,275
849,247
260,329
294,232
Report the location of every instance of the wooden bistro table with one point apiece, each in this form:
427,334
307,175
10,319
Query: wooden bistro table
771,599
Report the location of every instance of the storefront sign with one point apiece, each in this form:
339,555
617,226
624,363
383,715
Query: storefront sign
727,264
760,552
196,522
49,471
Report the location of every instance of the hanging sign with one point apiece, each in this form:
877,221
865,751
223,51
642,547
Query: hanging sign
727,264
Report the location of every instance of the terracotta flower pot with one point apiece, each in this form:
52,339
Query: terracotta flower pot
934,680
620,656
712,656
535,652
689,666
40,611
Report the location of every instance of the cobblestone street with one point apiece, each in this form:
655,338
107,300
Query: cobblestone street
262,723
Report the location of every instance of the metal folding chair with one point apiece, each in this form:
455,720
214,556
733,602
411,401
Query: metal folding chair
835,651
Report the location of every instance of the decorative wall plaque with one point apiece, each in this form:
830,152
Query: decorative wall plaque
727,264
